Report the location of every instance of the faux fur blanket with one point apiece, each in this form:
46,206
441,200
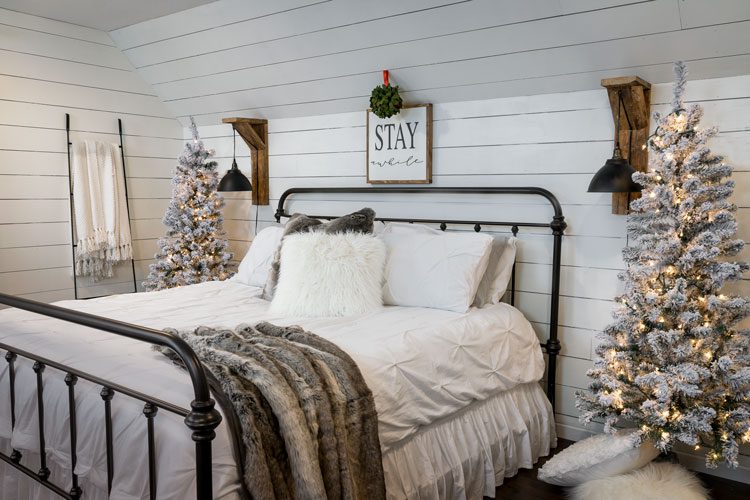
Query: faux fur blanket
308,420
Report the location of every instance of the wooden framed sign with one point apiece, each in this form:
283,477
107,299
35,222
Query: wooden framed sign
399,148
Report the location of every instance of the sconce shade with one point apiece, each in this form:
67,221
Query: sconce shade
234,180
616,176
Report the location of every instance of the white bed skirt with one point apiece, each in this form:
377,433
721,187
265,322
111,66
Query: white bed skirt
468,454
464,456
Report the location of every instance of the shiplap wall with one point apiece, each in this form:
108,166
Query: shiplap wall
48,68
556,141
303,57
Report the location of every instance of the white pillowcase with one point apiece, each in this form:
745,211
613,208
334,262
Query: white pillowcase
255,265
495,280
597,457
325,275
440,271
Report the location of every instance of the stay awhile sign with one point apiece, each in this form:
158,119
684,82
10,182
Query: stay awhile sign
399,148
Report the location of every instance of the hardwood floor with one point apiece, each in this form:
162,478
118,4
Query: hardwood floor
525,485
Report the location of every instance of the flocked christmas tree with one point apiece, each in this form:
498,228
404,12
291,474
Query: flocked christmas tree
675,362
193,250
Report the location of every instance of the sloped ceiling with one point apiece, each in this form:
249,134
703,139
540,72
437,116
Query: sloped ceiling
104,15
306,57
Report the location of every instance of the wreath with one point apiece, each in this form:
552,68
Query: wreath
384,100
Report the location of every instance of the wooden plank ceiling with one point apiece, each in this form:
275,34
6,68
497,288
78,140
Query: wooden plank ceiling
306,57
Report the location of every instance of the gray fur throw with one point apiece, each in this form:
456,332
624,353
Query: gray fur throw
308,422
360,221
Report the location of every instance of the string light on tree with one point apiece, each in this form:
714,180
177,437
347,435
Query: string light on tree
194,249
687,363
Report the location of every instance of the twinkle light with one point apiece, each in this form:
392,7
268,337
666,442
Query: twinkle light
708,355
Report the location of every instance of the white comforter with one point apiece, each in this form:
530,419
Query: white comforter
421,365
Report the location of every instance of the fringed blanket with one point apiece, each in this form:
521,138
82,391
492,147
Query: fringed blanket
308,420
100,206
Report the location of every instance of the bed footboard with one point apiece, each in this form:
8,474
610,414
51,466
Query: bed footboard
202,418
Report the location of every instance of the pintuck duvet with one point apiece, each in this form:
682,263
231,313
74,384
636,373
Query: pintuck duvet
422,366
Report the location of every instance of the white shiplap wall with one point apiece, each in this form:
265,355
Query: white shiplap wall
48,68
556,141
303,57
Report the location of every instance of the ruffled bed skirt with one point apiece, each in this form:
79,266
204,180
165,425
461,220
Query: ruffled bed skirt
468,454
463,456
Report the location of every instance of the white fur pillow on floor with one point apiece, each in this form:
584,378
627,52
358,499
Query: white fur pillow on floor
655,481
596,457
324,275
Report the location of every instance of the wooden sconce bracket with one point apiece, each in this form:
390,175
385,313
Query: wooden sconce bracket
635,99
254,131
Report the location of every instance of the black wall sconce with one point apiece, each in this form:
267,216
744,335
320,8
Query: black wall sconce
234,180
616,176
629,101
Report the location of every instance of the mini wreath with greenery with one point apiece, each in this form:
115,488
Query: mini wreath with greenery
385,101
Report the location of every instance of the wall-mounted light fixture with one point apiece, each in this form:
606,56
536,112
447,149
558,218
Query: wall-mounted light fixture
254,131
234,180
616,176
629,100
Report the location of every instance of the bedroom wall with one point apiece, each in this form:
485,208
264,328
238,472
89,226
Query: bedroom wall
556,141
47,69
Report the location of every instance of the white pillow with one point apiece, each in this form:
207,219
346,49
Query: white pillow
495,281
255,265
324,275
440,271
597,457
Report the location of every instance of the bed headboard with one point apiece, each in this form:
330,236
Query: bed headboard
556,225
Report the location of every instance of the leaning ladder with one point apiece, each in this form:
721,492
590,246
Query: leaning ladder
72,213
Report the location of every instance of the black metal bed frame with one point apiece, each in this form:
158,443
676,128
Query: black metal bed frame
202,418
557,225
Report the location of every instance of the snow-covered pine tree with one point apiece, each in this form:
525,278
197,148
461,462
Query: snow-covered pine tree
193,250
674,362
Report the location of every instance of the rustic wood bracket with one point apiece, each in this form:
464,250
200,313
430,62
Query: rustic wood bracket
634,127
254,131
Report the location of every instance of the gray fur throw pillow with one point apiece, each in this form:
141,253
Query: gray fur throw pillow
360,221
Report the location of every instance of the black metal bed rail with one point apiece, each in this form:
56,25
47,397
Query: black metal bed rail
557,225
202,418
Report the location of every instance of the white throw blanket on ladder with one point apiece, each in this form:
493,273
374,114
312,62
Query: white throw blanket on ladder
100,206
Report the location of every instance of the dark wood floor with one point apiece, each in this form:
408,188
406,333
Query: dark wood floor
525,485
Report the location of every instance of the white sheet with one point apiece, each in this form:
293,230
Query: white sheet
421,364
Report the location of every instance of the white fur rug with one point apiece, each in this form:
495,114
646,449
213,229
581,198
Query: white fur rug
655,481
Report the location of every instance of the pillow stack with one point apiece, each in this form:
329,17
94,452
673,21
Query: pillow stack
339,268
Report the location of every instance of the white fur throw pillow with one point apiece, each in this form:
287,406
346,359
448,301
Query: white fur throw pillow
324,275
597,457
655,481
